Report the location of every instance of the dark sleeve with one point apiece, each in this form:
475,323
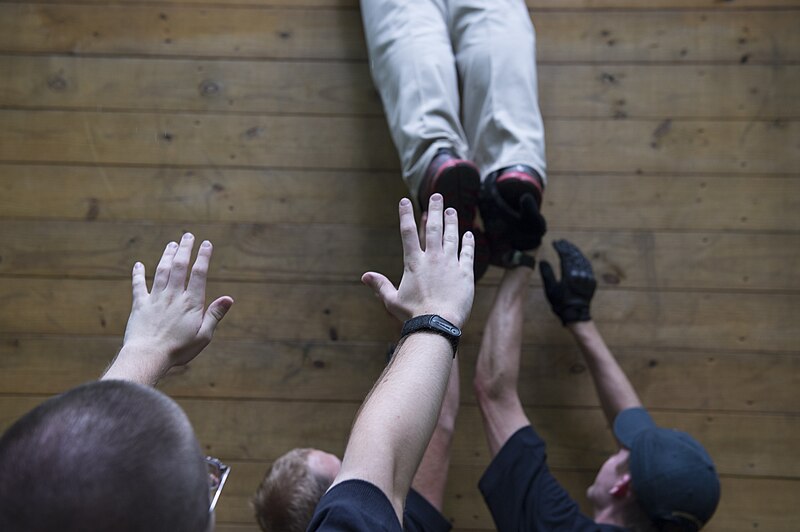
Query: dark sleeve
354,506
522,494
420,516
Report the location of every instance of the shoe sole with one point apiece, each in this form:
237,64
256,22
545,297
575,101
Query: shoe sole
459,183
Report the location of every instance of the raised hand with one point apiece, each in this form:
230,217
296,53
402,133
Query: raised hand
169,325
571,297
436,280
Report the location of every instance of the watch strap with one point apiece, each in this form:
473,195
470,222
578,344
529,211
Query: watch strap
435,324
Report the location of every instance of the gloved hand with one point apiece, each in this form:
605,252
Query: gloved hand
528,232
569,298
510,229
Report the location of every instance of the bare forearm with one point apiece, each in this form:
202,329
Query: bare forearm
497,369
613,387
396,422
430,480
134,365
501,346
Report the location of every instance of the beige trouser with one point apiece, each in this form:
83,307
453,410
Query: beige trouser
458,74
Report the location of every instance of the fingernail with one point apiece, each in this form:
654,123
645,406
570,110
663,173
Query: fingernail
468,234
450,211
405,201
205,244
172,245
436,197
137,265
188,236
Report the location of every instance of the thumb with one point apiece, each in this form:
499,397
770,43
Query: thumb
528,209
383,287
214,314
548,278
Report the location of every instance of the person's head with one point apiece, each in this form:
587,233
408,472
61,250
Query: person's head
661,476
109,455
291,489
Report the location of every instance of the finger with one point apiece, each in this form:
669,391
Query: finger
139,284
528,209
180,264
548,277
422,221
564,256
450,241
433,229
162,271
197,281
532,220
214,314
383,287
408,230
467,256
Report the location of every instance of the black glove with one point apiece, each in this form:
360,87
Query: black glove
510,227
570,298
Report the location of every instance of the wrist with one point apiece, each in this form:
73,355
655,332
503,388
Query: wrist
146,356
582,329
434,324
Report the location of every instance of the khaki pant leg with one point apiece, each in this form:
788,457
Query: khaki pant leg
495,47
414,70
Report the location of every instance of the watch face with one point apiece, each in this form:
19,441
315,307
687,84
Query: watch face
445,326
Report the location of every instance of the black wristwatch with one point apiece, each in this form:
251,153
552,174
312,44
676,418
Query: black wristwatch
435,324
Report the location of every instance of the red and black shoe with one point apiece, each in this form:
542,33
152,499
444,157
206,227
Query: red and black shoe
459,182
509,202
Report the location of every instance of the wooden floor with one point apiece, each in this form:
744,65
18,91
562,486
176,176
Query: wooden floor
673,131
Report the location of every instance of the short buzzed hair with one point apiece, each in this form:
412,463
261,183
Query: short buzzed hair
109,455
286,499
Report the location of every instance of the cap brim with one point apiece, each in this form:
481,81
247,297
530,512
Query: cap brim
630,423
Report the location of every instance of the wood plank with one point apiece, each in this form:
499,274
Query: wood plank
313,87
746,503
335,252
672,202
731,36
577,438
363,142
550,375
201,194
349,312
204,195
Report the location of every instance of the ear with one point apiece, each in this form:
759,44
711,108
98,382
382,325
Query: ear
622,487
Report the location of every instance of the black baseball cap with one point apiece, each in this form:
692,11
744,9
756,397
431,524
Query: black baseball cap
672,475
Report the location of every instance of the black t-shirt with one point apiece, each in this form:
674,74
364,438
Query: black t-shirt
420,516
357,505
523,495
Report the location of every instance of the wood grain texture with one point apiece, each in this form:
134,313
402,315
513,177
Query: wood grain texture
767,36
324,87
551,375
335,252
204,195
679,146
349,312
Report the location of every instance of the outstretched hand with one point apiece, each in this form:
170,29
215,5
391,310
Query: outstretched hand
571,297
436,280
169,326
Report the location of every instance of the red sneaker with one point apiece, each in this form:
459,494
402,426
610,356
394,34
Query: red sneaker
459,182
